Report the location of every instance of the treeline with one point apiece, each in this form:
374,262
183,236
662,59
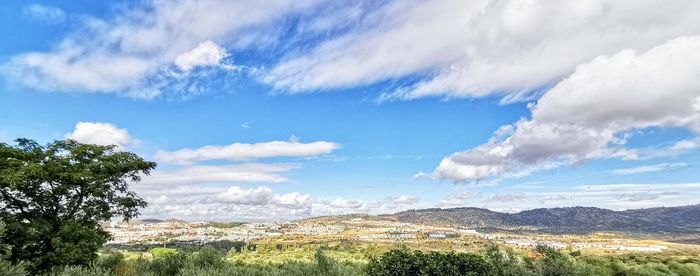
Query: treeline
222,245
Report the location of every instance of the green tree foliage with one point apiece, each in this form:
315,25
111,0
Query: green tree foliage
492,261
54,197
553,262
504,262
405,262
6,267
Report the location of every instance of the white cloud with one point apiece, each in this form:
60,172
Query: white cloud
225,203
132,53
206,53
103,134
47,14
586,115
478,48
196,202
263,196
419,175
236,173
649,168
611,196
238,195
243,151
454,48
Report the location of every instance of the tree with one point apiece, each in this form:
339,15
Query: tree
54,197
7,268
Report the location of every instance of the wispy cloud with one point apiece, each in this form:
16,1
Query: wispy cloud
611,196
478,48
650,168
149,49
46,14
243,151
231,173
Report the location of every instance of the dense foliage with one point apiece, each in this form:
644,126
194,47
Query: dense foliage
53,198
406,262
542,261
7,268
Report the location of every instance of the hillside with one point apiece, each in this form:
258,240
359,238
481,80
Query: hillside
685,219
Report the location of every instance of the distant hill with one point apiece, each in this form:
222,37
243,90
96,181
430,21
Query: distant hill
662,220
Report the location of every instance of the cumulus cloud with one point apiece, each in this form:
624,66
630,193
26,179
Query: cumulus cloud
263,196
46,14
649,168
478,48
251,204
243,151
133,52
226,203
103,134
586,115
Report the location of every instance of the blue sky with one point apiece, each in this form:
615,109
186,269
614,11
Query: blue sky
304,108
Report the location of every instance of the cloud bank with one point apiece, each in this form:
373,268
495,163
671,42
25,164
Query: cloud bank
479,48
586,115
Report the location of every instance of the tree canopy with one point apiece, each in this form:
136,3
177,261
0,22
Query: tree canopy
54,197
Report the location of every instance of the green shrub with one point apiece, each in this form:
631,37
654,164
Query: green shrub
168,264
207,257
82,271
406,262
162,251
111,261
9,269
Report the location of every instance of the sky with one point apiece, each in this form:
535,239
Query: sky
278,110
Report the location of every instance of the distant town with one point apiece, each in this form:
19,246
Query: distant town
368,229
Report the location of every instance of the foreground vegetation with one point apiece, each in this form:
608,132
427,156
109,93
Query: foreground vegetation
493,260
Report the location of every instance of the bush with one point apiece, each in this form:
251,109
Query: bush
111,261
168,264
9,269
82,271
405,262
161,251
208,257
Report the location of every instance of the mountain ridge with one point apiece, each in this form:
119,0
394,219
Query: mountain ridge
658,220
